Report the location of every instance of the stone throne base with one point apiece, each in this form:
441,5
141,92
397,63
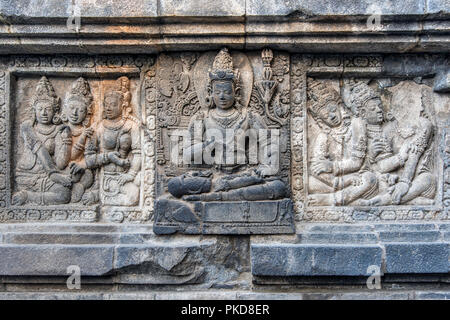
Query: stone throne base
234,217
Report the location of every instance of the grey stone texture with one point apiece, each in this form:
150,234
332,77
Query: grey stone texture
313,260
417,258
239,24
32,260
130,74
349,250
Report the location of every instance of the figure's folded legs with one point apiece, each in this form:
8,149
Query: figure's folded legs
356,186
362,186
87,179
424,185
57,194
225,183
317,186
268,191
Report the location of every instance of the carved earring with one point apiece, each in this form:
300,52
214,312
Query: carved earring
63,117
56,119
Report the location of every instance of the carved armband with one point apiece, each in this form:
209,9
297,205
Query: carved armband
104,158
79,147
67,141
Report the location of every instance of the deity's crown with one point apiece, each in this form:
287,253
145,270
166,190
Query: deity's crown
45,92
223,67
122,87
357,93
81,89
320,95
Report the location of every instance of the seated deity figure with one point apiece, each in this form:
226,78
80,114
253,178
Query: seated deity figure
337,176
46,151
402,166
222,130
115,147
76,113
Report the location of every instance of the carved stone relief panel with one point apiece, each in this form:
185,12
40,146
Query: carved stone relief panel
371,144
74,144
223,147
223,142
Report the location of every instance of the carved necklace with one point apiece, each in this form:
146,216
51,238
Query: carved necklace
113,125
374,130
338,134
44,131
226,121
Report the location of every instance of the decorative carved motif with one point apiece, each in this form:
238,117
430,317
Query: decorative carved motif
354,143
359,158
55,170
225,195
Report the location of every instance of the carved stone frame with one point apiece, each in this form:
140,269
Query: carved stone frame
70,65
337,66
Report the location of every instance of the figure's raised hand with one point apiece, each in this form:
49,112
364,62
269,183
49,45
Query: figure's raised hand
88,132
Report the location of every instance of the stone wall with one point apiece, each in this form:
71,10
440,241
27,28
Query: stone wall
231,150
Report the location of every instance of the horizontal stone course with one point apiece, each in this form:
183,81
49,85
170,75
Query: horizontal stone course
405,227
217,8
339,237
407,236
39,260
313,260
417,257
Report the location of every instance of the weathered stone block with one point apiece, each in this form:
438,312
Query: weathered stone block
60,238
405,227
442,81
313,260
412,236
417,257
202,8
335,238
53,260
312,9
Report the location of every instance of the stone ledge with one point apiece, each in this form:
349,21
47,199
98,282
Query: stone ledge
299,10
313,260
41,260
227,295
417,257
166,25
418,248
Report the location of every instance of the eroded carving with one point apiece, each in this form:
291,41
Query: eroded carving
223,140
46,152
116,148
361,156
